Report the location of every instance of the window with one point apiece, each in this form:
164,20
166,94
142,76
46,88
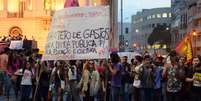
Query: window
47,4
1,5
164,24
148,17
29,5
153,16
57,4
126,31
153,25
158,15
165,15
121,37
170,15
137,30
13,6
141,19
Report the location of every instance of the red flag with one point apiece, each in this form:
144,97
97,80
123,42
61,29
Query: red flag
185,47
71,3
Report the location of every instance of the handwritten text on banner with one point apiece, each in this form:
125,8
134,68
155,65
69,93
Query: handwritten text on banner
79,33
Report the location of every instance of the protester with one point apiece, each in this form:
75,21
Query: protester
72,77
137,70
94,82
102,79
126,79
196,82
26,81
43,82
158,70
5,82
84,82
58,81
102,70
147,79
174,76
116,70
107,80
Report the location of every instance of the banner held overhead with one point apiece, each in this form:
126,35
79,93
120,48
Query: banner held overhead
79,33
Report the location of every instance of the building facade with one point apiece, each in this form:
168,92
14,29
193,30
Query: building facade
186,19
194,24
145,21
179,9
32,18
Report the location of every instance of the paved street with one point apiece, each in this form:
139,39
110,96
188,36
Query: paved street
12,98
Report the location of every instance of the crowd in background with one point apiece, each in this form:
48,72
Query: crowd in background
146,78
9,38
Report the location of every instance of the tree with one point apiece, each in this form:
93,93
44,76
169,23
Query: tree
160,35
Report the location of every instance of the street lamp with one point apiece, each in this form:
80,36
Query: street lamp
194,33
194,36
121,40
134,45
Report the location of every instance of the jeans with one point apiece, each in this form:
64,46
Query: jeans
174,96
158,94
127,92
196,91
66,97
148,94
74,90
42,93
115,93
5,82
25,92
137,94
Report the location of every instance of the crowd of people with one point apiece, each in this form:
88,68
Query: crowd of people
146,78
9,38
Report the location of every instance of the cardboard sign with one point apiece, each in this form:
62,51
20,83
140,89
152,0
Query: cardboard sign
79,33
197,76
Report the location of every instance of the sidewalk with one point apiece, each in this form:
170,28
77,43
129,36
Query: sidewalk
12,97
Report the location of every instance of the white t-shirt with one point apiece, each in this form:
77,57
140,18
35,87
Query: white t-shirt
70,73
26,78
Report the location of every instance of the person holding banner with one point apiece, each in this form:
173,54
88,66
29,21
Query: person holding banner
116,70
195,78
58,81
43,82
94,81
84,82
72,77
26,81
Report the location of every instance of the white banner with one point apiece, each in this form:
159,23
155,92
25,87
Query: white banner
79,33
16,45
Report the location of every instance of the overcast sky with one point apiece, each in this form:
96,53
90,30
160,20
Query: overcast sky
132,6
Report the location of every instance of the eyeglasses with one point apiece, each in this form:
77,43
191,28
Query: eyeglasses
91,63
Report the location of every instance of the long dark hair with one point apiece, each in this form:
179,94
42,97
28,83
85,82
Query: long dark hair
72,63
114,57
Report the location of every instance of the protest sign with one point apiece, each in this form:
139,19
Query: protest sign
79,33
16,44
197,76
